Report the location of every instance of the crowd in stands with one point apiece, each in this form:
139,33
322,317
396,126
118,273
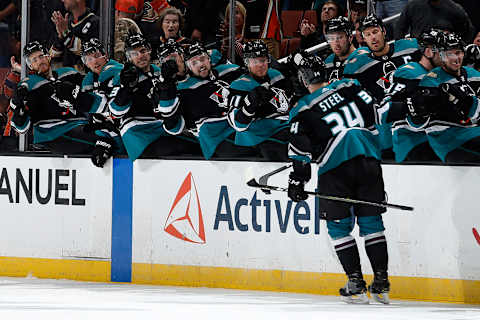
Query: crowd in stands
171,87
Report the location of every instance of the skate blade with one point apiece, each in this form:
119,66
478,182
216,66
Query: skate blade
381,297
355,299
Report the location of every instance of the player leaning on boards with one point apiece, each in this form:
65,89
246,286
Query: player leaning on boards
260,102
51,100
146,128
453,101
334,125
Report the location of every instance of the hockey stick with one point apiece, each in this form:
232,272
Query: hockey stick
263,180
253,183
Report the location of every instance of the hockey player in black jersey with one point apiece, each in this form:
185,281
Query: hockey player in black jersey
49,100
335,126
147,129
78,26
99,84
260,104
202,99
409,137
453,130
338,33
374,66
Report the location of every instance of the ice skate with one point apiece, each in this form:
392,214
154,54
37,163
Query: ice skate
380,287
354,291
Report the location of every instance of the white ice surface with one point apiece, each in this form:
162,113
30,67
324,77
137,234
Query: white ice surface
27,298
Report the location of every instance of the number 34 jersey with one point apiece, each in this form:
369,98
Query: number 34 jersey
336,123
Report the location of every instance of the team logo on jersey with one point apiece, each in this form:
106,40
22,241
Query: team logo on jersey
387,79
280,100
185,220
334,76
67,105
220,96
86,27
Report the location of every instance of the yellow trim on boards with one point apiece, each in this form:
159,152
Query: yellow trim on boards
81,270
407,288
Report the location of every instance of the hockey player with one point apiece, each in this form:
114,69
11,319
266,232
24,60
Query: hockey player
203,102
340,38
260,105
334,126
374,67
146,129
409,138
77,26
49,100
452,131
99,84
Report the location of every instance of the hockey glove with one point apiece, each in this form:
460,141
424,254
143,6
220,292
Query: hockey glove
129,76
20,95
169,70
257,97
296,190
418,104
472,54
65,90
102,152
459,99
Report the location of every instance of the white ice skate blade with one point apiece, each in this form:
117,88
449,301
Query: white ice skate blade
381,297
355,299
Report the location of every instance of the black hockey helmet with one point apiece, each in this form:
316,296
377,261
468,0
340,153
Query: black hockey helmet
339,24
255,49
370,21
451,41
430,37
169,47
136,40
194,50
91,46
311,69
32,47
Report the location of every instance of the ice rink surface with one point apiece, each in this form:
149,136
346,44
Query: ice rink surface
29,298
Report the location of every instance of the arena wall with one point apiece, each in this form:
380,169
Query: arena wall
196,223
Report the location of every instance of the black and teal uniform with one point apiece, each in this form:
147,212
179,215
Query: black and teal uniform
444,132
203,104
376,73
138,111
100,86
269,119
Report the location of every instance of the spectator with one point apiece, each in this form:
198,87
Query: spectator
357,10
443,14
240,15
172,23
126,13
310,35
388,8
8,138
78,25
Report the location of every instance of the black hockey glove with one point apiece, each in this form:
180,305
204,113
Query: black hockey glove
258,97
459,99
472,54
20,95
65,90
169,70
296,190
102,152
419,104
129,76
297,179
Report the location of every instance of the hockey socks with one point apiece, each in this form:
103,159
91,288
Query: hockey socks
347,252
376,248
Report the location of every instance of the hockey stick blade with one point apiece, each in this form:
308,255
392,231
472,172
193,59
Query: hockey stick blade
263,180
254,184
